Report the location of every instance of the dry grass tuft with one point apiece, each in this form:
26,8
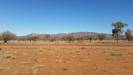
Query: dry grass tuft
36,68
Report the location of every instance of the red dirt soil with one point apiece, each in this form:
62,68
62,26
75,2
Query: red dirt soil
66,59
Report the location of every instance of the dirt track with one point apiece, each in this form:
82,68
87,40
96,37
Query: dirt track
66,59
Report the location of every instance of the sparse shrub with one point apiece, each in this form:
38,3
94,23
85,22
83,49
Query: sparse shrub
32,37
116,54
128,34
0,37
68,38
21,38
101,36
89,37
52,39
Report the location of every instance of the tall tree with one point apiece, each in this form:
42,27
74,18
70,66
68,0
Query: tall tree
117,31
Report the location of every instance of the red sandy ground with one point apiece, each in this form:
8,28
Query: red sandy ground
66,59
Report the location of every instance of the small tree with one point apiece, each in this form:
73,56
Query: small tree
7,35
128,34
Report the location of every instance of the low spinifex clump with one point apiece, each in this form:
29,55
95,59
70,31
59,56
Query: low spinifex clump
116,54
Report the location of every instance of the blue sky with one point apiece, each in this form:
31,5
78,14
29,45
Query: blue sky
60,16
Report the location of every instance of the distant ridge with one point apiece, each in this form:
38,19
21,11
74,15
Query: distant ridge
74,34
